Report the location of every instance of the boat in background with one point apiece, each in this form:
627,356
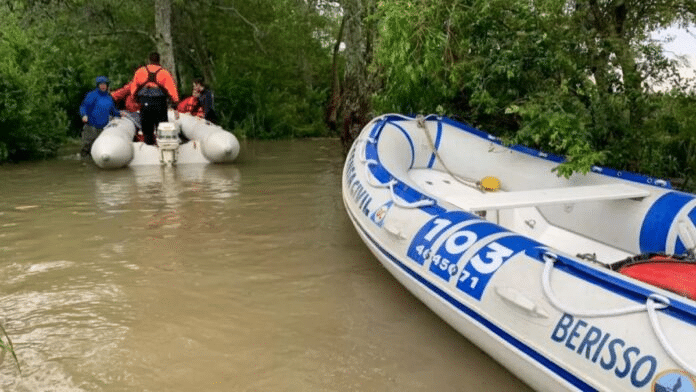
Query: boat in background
570,283
207,143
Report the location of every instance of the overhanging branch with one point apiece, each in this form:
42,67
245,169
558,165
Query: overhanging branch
257,31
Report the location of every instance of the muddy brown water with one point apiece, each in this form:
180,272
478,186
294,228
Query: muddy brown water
240,277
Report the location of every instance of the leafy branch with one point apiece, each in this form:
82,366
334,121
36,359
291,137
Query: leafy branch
256,31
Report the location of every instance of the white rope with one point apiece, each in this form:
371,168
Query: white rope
369,176
415,204
550,259
390,185
399,115
661,336
420,120
652,304
365,141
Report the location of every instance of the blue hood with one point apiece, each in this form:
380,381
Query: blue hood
102,79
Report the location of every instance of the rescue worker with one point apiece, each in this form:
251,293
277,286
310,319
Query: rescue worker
205,100
95,110
190,105
151,86
123,96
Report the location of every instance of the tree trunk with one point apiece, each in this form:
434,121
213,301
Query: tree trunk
163,35
357,85
332,109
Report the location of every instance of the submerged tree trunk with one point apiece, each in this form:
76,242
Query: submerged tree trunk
163,34
357,83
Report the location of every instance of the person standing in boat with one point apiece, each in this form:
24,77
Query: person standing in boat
205,100
152,85
96,111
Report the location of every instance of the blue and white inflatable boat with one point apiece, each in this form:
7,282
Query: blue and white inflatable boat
580,284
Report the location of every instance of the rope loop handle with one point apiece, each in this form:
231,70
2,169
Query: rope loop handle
390,184
549,260
415,204
653,303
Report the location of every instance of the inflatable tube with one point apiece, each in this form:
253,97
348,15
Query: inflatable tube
114,147
217,145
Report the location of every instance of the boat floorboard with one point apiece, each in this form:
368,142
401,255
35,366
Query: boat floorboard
516,215
445,187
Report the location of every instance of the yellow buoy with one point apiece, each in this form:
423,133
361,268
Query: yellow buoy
490,183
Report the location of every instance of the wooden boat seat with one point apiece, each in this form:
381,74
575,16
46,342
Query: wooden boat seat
444,187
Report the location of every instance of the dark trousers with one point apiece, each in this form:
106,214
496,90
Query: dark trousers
152,112
89,135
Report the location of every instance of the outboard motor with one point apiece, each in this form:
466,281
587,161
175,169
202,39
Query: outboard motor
167,142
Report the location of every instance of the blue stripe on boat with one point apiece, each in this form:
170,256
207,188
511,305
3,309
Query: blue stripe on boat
519,345
654,230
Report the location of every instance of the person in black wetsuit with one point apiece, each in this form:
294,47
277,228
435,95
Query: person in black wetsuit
152,86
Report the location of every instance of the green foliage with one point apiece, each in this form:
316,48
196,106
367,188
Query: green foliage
558,124
267,62
31,124
272,79
564,78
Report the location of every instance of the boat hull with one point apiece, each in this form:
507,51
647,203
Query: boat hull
207,143
556,321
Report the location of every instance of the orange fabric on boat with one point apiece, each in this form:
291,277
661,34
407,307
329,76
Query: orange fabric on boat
673,275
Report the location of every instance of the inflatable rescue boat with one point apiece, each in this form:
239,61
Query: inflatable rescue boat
585,283
203,142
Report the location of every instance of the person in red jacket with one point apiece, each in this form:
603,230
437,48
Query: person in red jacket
151,86
200,104
123,96
190,105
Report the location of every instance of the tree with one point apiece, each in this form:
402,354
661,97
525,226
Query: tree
163,34
567,77
31,123
355,105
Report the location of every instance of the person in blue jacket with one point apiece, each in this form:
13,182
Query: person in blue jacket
96,111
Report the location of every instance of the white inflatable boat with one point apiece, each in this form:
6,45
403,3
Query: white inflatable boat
207,143
581,284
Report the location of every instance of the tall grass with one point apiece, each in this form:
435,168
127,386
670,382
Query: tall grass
8,346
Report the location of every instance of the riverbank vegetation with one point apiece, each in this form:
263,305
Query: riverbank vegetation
579,78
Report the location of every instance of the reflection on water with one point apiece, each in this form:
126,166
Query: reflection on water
241,277
165,186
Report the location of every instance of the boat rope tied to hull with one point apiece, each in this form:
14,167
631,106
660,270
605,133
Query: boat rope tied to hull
652,307
653,303
487,184
390,185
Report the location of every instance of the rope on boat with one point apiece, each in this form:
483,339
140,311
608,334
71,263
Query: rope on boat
389,184
652,304
466,181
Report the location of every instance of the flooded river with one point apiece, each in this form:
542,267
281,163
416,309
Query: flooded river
241,277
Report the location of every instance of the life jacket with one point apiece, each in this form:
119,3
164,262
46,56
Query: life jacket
124,99
191,105
147,89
